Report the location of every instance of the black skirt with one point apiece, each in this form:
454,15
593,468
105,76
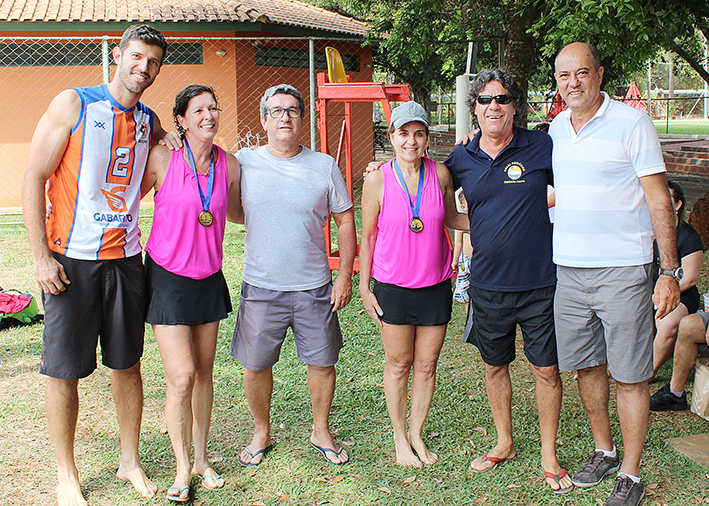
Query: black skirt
179,300
428,306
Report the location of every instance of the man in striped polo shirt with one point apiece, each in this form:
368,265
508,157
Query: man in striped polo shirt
611,195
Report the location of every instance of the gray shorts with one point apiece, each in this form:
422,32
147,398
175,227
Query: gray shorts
264,317
604,315
705,318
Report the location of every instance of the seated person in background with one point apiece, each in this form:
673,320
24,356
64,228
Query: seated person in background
462,251
692,336
690,251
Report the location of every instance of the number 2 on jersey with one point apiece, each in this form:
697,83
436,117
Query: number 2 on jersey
120,166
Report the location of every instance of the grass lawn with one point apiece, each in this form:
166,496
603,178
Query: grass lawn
459,426
682,126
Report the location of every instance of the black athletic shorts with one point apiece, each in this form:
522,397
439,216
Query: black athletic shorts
106,299
179,300
492,327
691,300
427,307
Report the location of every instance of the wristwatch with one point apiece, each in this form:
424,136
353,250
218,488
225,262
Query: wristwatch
677,273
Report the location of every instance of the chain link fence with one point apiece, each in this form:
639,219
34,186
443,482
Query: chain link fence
34,70
674,116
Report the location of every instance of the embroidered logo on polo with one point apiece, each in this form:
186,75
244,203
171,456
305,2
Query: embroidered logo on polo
514,171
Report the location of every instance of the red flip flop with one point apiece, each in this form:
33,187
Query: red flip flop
557,478
496,461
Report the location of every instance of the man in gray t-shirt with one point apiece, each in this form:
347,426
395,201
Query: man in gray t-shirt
287,193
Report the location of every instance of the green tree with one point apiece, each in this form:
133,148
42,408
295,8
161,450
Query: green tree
626,32
423,42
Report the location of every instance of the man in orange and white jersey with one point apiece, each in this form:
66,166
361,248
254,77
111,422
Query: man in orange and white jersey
89,151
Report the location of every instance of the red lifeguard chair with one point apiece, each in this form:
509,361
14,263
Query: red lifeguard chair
335,87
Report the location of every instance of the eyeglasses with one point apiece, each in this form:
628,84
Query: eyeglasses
500,99
278,112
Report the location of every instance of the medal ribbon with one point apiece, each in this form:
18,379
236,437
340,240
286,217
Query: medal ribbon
210,182
415,210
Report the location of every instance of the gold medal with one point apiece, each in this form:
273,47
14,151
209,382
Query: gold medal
416,225
205,218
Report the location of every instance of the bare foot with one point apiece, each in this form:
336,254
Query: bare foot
69,493
425,455
210,479
490,460
330,450
405,455
253,454
140,482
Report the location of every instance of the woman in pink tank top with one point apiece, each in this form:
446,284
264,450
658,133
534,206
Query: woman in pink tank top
405,208
197,188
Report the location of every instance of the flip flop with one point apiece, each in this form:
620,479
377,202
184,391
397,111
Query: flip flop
324,452
214,479
255,454
496,461
178,497
557,478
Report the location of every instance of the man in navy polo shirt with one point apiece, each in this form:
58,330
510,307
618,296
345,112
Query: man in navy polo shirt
504,172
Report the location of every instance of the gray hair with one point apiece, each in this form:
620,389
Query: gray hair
502,77
282,89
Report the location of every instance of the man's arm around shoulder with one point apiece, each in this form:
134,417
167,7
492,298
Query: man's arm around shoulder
48,144
235,209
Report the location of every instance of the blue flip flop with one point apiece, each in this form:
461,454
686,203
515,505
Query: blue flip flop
255,454
214,479
178,497
325,451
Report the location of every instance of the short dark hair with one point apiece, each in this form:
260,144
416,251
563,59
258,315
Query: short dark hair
146,34
501,76
182,102
678,196
282,89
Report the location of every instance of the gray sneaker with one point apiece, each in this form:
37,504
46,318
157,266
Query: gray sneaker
626,493
596,467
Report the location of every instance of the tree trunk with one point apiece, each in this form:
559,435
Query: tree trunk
422,94
696,65
521,50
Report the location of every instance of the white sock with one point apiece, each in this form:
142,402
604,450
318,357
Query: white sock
635,479
612,454
677,394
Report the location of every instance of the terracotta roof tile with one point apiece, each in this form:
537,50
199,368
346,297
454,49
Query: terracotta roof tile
281,12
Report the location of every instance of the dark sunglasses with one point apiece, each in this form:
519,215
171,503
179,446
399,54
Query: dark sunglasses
500,99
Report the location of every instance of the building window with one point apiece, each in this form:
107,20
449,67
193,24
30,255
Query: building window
56,54
49,54
269,56
185,53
